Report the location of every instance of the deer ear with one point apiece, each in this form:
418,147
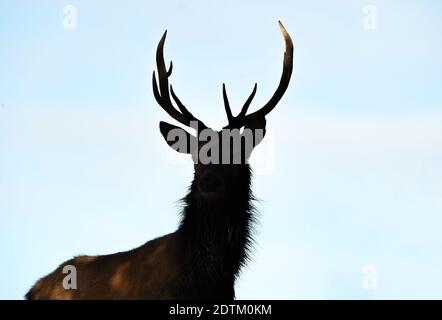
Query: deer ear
178,138
258,127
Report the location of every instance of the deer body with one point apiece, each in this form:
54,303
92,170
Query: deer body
203,257
198,261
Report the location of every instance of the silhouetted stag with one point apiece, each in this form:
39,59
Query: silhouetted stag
202,258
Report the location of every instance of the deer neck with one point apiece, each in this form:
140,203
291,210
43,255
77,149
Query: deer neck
218,235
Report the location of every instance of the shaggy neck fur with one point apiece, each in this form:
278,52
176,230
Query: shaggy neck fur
219,234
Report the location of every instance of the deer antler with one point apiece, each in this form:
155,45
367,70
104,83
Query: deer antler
241,119
163,97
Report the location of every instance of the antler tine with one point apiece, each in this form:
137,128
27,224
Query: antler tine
162,95
285,77
180,105
230,117
235,122
185,111
162,72
248,102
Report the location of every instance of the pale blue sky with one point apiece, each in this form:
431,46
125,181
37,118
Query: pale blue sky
350,173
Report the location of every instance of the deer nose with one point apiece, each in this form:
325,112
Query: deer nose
210,183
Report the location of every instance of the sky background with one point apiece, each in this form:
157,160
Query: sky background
349,175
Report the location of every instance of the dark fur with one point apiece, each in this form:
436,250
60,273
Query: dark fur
201,260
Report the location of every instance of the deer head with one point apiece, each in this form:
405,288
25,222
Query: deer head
226,151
